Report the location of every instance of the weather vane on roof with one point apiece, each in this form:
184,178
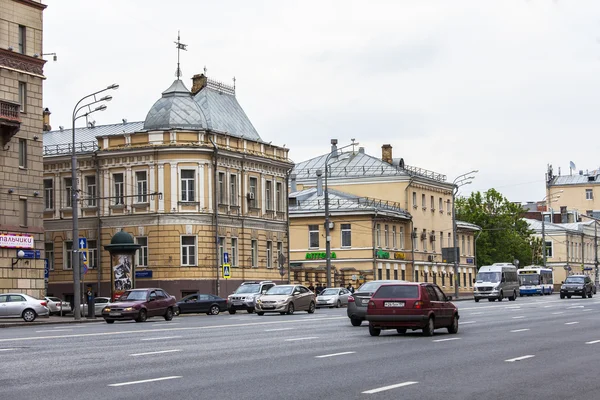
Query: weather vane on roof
180,46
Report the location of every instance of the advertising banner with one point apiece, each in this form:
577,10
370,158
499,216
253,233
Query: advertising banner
16,241
122,274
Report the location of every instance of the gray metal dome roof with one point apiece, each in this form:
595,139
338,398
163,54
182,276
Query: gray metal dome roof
176,109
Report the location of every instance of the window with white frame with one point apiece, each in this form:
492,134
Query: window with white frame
233,257
441,204
424,239
253,191
68,255
432,202
462,245
221,250
188,184
450,244
92,253
432,241
68,184
269,254
222,188
23,212
346,230
378,235
401,239
415,233
268,195
22,39
233,192
118,189
448,207
279,196
188,250
142,254
589,194
469,245
49,250
279,251
423,201
414,198
48,194
442,240
394,238
23,153
313,236
90,190
549,248
254,255
23,96
386,238
141,186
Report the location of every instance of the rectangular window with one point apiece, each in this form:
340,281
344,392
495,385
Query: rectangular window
346,235
48,194
441,204
386,237
423,201
470,278
68,255
118,189
403,275
68,192
221,250
394,238
548,248
22,153
90,190
450,244
253,187
254,246
396,274
378,235
442,240
279,253
49,250
269,254
387,273
187,185
22,39
414,199
401,237
92,254
268,194
416,275
414,239
23,212
443,279
468,245
462,245
279,196
589,194
142,254
222,191
233,257
424,239
313,236
432,238
448,209
141,186
23,96
188,250
380,274
432,202
233,190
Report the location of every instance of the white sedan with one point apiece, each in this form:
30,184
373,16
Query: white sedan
58,306
333,297
99,304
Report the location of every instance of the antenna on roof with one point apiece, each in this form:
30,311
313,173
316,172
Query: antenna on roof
234,85
180,46
205,70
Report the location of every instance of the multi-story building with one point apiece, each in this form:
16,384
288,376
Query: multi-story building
192,182
21,195
425,199
578,192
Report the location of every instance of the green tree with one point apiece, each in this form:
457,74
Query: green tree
505,236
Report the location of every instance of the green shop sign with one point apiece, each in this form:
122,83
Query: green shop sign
382,254
318,256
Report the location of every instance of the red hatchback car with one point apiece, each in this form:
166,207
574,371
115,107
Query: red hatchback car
412,306
139,304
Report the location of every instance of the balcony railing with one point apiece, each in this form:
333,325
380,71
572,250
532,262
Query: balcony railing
60,149
10,111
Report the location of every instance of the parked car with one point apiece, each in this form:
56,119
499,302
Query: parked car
412,306
57,306
18,305
333,297
285,299
139,304
577,285
99,304
202,303
244,298
358,301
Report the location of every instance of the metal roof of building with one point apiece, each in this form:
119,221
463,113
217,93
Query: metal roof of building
591,178
467,225
549,227
176,109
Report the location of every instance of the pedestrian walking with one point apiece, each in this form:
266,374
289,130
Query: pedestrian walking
350,288
311,287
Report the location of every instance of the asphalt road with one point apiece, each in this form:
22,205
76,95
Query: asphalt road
534,348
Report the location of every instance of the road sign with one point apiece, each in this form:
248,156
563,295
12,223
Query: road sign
226,271
225,258
31,253
83,250
46,270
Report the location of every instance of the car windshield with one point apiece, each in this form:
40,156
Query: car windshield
55,299
369,287
280,290
329,292
397,292
488,277
529,279
133,295
574,279
252,288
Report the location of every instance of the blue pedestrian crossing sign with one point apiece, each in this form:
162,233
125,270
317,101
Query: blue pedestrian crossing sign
225,258
226,271
83,251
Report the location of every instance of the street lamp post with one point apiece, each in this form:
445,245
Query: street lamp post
459,181
74,195
334,151
551,199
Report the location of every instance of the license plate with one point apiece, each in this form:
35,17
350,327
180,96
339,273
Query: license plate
365,301
237,303
268,307
114,314
393,304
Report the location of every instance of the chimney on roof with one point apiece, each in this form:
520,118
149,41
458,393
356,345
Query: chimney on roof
46,119
319,183
293,187
386,153
199,81
361,150
334,143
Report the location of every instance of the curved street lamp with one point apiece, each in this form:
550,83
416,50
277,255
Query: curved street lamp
75,240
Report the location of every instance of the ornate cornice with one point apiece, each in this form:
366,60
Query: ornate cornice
21,62
32,3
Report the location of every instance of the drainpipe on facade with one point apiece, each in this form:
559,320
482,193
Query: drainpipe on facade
98,225
216,210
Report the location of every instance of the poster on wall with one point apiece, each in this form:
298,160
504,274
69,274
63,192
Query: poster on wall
122,274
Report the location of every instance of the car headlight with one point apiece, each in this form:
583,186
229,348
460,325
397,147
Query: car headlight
128,309
580,287
106,309
258,301
474,289
281,301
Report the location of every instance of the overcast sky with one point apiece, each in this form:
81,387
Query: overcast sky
504,86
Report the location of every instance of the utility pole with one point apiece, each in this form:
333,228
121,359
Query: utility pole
544,240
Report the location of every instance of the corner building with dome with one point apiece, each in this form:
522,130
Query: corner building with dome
190,183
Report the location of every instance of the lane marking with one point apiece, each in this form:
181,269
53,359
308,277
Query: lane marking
191,328
519,358
592,342
519,330
165,323
54,330
519,317
468,322
568,308
476,313
335,354
571,323
278,329
587,309
301,338
513,307
154,352
161,338
384,388
7,349
144,381
548,306
557,313
498,307
446,340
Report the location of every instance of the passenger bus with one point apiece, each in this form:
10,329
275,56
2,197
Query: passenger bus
535,280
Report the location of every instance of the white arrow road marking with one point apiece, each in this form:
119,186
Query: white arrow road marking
519,358
144,381
384,388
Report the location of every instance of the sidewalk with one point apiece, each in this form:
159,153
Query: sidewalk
54,320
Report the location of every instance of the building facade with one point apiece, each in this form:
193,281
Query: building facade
573,194
21,194
424,195
192,182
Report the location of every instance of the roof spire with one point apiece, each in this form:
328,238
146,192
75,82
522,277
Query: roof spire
180,46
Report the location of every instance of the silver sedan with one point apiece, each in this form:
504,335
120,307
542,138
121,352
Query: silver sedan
333,297
18,305
58,306
99,304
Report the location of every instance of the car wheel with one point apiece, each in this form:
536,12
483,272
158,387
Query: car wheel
513,297
231,312
562,296
501,297
262,313
110,321
401,330
429,328
453,328
476,300
374,331
311,308
338,304
355,321
169,314
290,309
142,316
215,310
29,315
250,310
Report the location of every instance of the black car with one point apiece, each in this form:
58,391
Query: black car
577,285
202,303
